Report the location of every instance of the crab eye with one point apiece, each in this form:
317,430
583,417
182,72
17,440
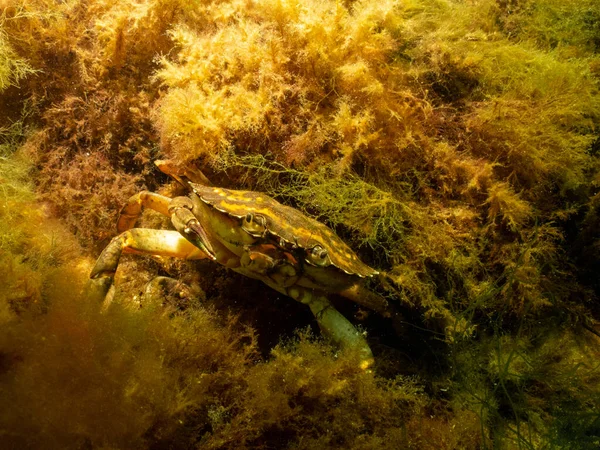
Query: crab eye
254,224
319,253
318,256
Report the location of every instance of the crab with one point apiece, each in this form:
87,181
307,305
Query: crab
252,234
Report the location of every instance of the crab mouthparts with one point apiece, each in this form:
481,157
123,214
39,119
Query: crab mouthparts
202,240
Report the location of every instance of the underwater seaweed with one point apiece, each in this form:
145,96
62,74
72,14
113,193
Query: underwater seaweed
77,372
453,144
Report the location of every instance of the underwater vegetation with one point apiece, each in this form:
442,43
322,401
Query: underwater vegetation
453,144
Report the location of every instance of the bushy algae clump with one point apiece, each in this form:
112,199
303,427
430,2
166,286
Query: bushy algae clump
481,140
78,373
453,144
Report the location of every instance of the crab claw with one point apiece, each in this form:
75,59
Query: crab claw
196,233
184,221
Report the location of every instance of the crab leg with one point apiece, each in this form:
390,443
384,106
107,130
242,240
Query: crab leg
133,208
334,324
363,296
138,240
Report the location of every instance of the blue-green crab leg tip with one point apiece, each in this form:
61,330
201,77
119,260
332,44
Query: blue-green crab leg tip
334,325
107,262
97,289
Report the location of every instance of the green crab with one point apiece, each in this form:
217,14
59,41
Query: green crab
252,234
